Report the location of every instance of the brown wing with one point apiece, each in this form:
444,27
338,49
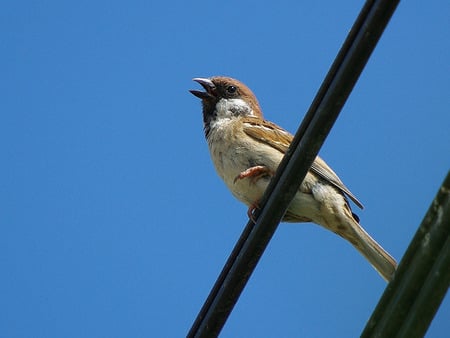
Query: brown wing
268,133
278,138
322,169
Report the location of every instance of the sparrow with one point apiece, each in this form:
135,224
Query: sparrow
246,151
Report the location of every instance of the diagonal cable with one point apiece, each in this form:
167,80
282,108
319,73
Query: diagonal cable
310,136
422,279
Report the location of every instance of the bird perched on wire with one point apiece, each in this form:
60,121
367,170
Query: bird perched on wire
246,151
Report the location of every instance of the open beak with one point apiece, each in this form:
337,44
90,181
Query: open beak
208,85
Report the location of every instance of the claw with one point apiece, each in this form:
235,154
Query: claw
250,211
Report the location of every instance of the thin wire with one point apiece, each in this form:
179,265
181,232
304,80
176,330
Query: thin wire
310,136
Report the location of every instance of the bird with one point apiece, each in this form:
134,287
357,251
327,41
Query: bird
246,150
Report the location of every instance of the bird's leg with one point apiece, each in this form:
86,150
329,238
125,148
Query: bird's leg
254,173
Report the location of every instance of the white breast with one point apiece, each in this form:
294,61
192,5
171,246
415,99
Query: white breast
233,152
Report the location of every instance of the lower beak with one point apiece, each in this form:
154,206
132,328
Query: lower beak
208,85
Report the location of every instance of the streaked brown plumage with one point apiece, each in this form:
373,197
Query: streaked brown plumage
246,150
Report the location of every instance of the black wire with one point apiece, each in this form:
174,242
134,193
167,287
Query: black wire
310,136
410,302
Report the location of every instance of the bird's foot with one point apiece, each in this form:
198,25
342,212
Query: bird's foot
251,210
254,173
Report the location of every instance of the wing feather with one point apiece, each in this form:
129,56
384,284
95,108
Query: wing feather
322,169
269,133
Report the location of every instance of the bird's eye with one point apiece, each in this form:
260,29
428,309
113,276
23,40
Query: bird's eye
231,89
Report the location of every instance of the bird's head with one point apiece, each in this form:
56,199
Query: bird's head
225,98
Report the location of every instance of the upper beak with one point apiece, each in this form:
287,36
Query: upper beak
208,85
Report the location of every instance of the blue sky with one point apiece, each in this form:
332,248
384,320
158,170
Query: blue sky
113,222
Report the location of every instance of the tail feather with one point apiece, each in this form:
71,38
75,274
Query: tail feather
379,258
